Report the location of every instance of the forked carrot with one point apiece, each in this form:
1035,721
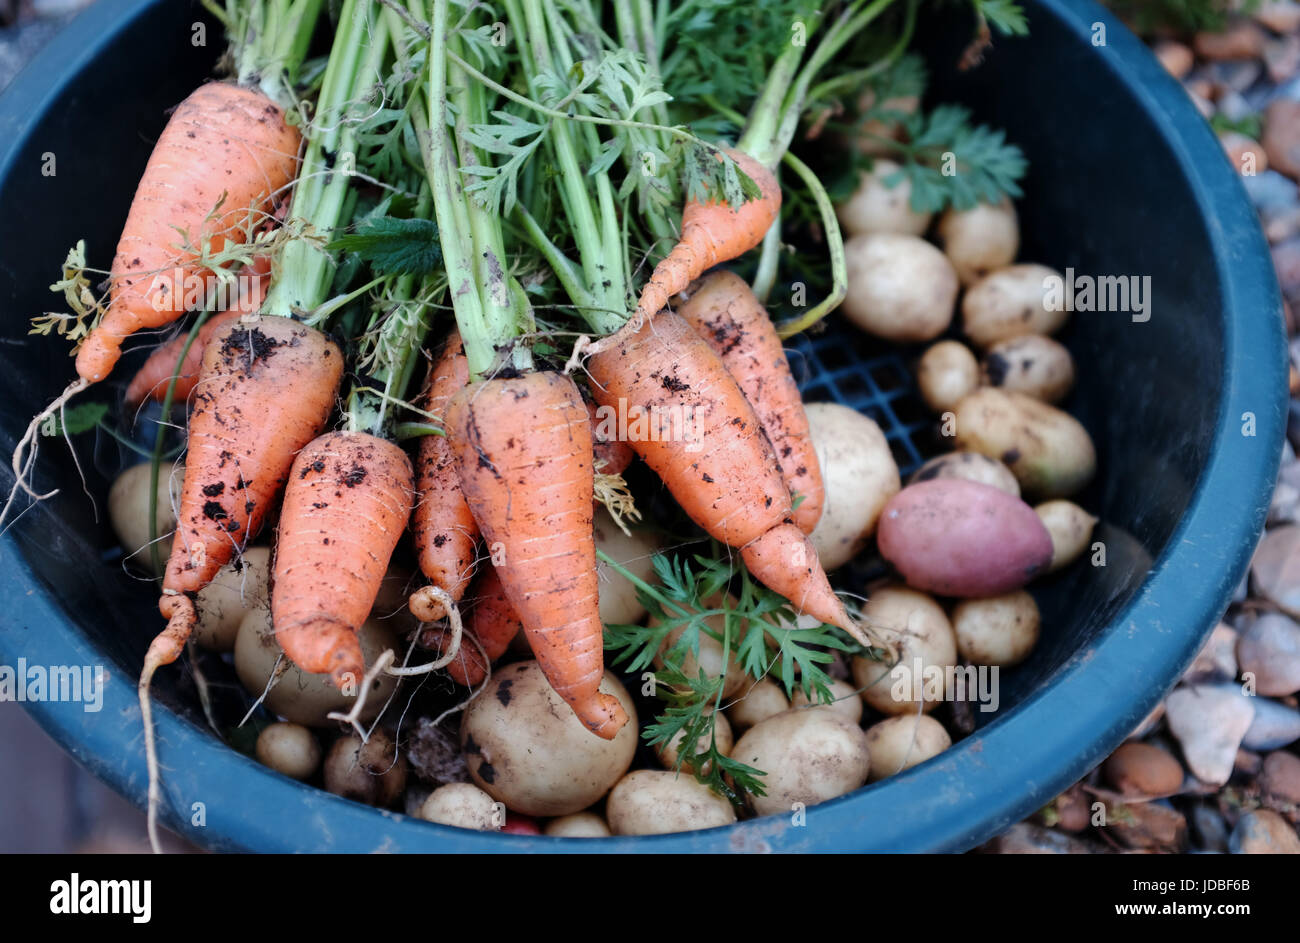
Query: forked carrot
711,452
225,152
712,233
345,506
724,311
523,450
444,529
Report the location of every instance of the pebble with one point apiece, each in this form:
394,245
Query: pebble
1209,722
1281,16
1269,649
1285,506
1247,763
1275,569
1245,153
1293,423
1282,58
1281,136
1279,225
1274,726
1217,659
1157,826
1148,722
1272,191
1286,263
1263,832
1241,40
1209,827
1074,809
1140,769
1232,106
1175,57
1025,838
1280,777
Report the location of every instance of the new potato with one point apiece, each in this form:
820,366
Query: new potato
980,239
899,743
656,802
971,466
1070,527
128,512
809,756
761,700
1011,302
900,287
1000,630
876,207
239,587
918,628
1033,364
946,373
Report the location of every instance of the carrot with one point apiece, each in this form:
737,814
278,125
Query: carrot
226,150
712,233
345,506
612,455
524,454
710,450
491,621
238,457
444,529
724,311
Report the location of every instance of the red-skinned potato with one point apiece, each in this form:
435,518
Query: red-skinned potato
959,538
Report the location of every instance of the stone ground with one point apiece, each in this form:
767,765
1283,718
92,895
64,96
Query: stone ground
1213,769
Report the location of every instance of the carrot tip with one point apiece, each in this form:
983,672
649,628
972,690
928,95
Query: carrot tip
605,718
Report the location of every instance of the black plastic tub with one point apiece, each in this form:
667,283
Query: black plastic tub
1187,411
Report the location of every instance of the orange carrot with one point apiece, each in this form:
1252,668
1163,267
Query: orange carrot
225,150
492,621
710,450
524,454
345,506
612,455
239,457
724,311
712,233
444,528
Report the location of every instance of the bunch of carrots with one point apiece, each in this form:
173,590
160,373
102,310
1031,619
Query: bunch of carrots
538,229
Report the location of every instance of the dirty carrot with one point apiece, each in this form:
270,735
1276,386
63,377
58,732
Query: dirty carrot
523,449
724,311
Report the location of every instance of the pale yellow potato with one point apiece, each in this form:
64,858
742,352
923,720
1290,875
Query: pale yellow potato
999,630
859,476
1070,528
372,772
710,657
946,372
657,802
525,747
875,207
1031,364
618,601
809,756
900,287
721,735
288,748
577,825
899,743
917,627
980,239
128,512
239,586
847,703
972,466
299,696
1011,302
463,805
761,700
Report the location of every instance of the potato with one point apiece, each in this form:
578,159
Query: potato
710,654
961,538
577,825
1069,526
128,512
655,802
239,586
847,703
980,239
525,747
463,805
372,772
299,696
858,474
763,699
946,373
721,735
289,749
1034,365
876,207
899,743
900,287
809,756
1010,302
971,466
1048,450
618,602
1000,630
918,627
